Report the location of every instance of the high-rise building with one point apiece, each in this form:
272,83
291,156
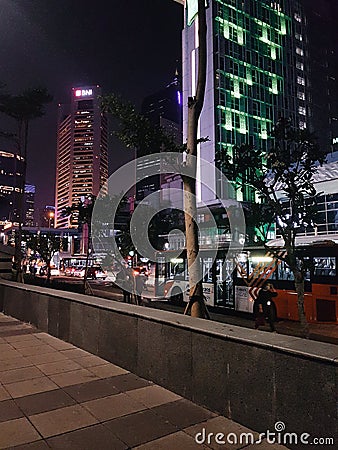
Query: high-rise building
29,200
11,182
82,151
163,108
321,37
256,73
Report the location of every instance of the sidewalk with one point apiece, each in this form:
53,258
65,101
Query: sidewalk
55,395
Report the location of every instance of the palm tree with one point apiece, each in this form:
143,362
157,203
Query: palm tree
23,108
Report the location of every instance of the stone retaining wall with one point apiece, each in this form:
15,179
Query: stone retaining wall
253,377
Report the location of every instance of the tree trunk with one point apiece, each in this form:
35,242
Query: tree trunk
23,142
195,104
299,285
86,287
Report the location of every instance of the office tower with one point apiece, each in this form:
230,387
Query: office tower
82,151
163,108
256,73
29,200
322,35
11,179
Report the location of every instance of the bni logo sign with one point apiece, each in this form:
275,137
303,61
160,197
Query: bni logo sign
83,92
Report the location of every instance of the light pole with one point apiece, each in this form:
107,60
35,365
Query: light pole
50,217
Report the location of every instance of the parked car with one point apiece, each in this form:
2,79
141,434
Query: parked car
53,271
79,272
96,272
93,272
69,271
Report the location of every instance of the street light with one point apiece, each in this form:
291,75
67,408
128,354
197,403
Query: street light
50,217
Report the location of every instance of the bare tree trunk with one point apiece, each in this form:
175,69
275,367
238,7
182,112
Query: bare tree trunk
299,285
23,141
86,287
195,104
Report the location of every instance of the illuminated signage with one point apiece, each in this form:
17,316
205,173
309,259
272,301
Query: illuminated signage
83,92
335,140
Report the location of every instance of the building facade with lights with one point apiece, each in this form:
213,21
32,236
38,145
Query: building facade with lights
163,108
11,179
256,73
82,151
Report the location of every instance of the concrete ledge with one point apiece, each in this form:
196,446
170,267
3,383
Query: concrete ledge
252,377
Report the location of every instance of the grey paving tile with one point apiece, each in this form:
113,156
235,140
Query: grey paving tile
139,428
4,395
9,410
75,353
29,387
113,406
107,370
14,363
73,377
17,432
38,445
92,390
61,420
152,396
90,361
24,373
130,381
47,358
65,365
44,401
175,441
183,413
95,437
36,350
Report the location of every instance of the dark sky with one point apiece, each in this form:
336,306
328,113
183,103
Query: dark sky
128,47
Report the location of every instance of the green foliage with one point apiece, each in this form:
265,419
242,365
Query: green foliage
287,168
46,245
26,106
135,130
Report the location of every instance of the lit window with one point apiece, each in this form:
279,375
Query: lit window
299,37
299,51
300,65
302,125
298,17
301,95
301,81
302,110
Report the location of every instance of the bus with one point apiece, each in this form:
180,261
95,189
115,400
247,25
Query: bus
69,264
234,283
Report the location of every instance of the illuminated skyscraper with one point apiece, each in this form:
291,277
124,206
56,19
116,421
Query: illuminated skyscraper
256,73
163,108
82,151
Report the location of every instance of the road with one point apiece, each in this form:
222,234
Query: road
107,290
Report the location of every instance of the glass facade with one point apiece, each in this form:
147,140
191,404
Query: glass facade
259,64
256,73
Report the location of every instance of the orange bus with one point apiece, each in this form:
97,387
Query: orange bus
234,283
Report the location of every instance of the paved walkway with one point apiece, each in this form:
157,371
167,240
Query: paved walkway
55,395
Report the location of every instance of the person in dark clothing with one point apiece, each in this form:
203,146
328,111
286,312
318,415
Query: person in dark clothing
140,280
125,281
263,306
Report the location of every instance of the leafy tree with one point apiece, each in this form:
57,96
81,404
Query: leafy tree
46,245
137,131
23,108
82,213
286,168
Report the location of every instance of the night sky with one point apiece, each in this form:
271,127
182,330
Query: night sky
128,47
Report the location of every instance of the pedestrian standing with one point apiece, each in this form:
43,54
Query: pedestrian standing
264,307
